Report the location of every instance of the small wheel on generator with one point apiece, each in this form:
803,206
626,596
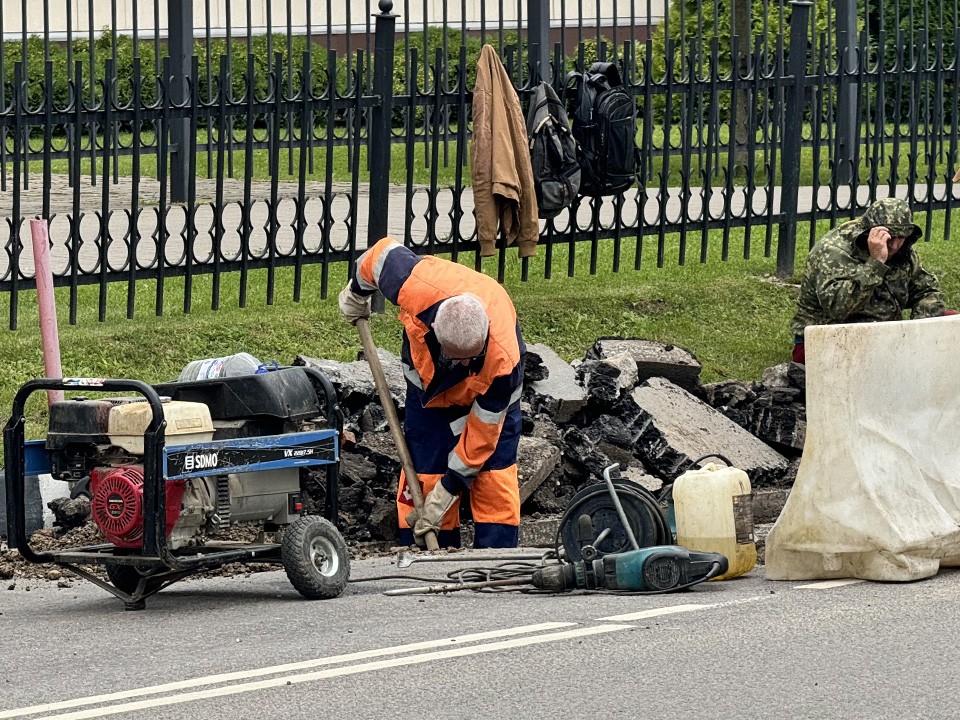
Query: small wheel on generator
315,557
126,578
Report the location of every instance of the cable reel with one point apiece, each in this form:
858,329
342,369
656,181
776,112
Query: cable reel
612,517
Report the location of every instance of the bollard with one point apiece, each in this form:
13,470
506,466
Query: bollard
49,336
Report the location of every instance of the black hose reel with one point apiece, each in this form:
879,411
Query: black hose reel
593,525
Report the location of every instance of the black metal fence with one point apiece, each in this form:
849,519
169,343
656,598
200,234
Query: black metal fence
167,147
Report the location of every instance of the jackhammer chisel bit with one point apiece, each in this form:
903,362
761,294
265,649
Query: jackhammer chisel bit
405,558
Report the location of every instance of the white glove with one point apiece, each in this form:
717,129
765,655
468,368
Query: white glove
353,306
435,506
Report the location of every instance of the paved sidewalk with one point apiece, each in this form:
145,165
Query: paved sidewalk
121,199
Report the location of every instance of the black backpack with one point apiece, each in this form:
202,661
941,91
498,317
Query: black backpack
553,152
605,126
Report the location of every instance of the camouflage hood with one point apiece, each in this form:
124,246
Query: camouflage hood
893,214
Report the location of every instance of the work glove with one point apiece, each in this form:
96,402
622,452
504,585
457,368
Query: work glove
353,305
435,506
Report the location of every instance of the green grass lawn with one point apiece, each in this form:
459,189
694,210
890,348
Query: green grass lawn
423,167
732,315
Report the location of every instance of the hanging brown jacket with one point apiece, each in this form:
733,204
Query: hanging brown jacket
503,189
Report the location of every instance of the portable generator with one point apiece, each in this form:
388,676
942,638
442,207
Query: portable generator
168,470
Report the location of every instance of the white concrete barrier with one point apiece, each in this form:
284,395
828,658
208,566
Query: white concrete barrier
877,495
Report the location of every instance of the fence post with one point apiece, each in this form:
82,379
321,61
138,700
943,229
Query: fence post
793,125
381,133
847,131
180,48
740,23
538,40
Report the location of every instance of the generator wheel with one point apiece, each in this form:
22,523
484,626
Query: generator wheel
127,577
315,558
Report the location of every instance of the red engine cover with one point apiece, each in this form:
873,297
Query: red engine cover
117,504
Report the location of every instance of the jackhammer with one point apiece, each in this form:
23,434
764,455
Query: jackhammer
656,569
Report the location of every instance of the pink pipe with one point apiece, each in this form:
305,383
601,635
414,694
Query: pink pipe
49,336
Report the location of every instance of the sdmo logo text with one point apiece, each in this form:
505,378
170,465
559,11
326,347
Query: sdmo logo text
200,461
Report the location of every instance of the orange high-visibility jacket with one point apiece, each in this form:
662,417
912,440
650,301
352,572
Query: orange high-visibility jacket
485,392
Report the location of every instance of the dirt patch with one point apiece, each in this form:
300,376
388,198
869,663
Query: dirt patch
15,572
14,568
648,307
790,282
760,532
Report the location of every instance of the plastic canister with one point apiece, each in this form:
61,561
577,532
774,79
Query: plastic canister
714,512
227,366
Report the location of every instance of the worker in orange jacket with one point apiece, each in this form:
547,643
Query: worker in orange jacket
463,359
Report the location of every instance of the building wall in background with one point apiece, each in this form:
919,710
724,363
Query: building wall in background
54,16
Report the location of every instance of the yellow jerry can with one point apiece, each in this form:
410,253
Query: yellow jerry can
714,512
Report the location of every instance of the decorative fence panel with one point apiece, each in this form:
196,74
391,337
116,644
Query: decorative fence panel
172,138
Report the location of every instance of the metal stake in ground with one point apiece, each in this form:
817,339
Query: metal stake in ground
454,587
380,380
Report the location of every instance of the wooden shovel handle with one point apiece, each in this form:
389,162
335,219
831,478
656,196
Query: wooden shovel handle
396,431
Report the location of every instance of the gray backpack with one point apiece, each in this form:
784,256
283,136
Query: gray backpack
553,152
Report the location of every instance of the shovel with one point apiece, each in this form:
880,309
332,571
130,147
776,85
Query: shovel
380,380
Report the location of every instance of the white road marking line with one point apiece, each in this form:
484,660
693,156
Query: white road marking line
741,601
827,584
288,667
339,672
629,617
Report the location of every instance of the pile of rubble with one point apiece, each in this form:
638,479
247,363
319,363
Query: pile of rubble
73,528
13,567
637,403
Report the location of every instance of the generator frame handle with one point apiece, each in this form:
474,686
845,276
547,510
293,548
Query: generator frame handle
332,499
154,487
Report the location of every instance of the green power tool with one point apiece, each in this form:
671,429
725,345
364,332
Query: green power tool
658,569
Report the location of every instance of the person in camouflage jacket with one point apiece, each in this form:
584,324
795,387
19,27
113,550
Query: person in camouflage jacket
866,270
